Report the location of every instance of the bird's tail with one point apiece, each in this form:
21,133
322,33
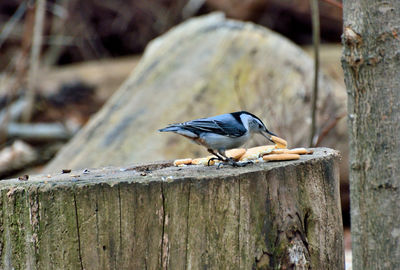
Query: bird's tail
179,130
171,128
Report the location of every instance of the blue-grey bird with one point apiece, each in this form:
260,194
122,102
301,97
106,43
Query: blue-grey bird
221,132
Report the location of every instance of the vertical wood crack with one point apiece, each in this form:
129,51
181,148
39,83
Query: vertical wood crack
77,230
163,227
97,225
303,231
187,227
120,224
326,219
34,210
239,246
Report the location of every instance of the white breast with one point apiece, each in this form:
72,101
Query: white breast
215,141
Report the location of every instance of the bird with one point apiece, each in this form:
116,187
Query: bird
222,132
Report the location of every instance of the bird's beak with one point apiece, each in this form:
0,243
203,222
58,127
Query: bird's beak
267,135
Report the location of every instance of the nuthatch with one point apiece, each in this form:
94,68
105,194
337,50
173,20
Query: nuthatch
221,132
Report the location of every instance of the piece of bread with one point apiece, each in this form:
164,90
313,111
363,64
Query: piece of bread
299,151
184,161
256,152
280,157
280,143
310,152
203,161
280,151
235,153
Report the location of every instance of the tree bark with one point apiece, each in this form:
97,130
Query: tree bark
371,64
283,215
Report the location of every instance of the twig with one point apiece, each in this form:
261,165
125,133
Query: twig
191,8
334,3
38,132
328,128
13,111
34,58
316,40
19,67
90,35
12,22
58,30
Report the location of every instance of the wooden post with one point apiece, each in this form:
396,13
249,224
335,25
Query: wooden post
282,215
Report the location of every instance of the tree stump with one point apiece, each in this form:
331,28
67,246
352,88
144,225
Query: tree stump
277,215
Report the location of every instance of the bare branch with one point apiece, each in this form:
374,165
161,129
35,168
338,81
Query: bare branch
34,58
316,41
38,132
12,22
328,128
334,3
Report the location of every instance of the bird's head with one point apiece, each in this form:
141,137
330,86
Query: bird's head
255,125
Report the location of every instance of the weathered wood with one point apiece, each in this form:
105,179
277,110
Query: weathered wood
282,215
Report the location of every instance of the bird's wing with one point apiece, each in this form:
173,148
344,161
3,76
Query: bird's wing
227,127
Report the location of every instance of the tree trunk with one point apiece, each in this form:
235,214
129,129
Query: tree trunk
283,215
371,64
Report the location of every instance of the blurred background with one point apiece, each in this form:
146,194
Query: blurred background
62,60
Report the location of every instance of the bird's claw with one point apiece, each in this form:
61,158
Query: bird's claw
233,163
212,159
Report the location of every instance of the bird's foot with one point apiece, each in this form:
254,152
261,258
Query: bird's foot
234,163
212,159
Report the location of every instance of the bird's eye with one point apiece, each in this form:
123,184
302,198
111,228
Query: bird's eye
259,126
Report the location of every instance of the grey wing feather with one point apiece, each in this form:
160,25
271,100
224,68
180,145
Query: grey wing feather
228,127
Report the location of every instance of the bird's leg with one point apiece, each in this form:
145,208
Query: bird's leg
218,156
222,153
231,161
227,160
